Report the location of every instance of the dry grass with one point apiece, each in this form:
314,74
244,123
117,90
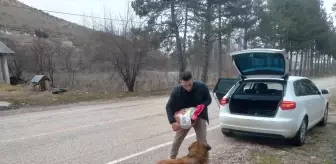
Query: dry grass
92,87
10,88
266,158
147,81
23,96
22,99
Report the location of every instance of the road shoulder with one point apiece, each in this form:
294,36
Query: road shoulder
320,147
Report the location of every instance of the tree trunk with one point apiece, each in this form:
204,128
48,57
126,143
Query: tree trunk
228,51
185,29
318,65
324,66
305,66
295,64
207,42
130,87
182,65
245,38
51,68
311,69
301,63
220,49
321,72
333,66
18,70
329,64
198,72
308,63
290,61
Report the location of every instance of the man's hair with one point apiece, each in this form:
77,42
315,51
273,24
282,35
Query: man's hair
185,76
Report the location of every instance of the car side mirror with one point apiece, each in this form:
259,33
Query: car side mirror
324,91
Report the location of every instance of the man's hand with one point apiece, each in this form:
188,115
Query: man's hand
176,126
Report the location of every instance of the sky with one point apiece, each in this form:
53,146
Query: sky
116,7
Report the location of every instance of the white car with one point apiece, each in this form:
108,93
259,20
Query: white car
265,101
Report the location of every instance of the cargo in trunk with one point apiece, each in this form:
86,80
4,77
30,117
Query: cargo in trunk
257,99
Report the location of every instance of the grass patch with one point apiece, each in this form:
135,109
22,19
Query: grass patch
47,98
10,88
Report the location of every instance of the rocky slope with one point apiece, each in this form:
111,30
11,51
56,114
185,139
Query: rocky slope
16,17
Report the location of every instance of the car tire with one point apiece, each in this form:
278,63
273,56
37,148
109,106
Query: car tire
227,133
324,120
301,134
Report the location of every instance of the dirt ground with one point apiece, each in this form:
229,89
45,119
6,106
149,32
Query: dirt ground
320,147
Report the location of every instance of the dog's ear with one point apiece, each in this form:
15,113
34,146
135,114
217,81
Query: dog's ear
192,154
207,147
192,145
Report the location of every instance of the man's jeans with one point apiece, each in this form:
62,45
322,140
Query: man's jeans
200,130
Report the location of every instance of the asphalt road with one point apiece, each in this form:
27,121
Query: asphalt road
124,132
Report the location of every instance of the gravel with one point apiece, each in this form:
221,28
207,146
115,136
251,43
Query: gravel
320,147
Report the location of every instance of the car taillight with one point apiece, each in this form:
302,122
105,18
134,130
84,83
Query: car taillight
224,101
288,105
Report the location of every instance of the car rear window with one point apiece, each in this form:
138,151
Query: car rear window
225,85
249,63
269,88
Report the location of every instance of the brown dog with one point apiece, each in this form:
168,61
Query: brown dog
198,154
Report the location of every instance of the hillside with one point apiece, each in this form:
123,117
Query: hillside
25,19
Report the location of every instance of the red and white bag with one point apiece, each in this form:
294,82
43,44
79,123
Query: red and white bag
184,117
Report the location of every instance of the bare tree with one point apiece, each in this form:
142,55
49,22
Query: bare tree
126,49
127,54
44,57
72,61
51,66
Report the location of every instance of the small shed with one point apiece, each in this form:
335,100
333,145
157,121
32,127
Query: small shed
40,82
4,73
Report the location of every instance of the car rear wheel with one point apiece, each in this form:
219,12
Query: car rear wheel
227,133
300,136
324,120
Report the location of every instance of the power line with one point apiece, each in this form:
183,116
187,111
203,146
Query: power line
81,15
73,14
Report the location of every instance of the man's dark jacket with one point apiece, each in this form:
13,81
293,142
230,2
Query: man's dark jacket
180,99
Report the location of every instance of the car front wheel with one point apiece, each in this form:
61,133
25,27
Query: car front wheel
300,136
324,120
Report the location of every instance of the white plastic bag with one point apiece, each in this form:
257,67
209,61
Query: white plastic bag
185,118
